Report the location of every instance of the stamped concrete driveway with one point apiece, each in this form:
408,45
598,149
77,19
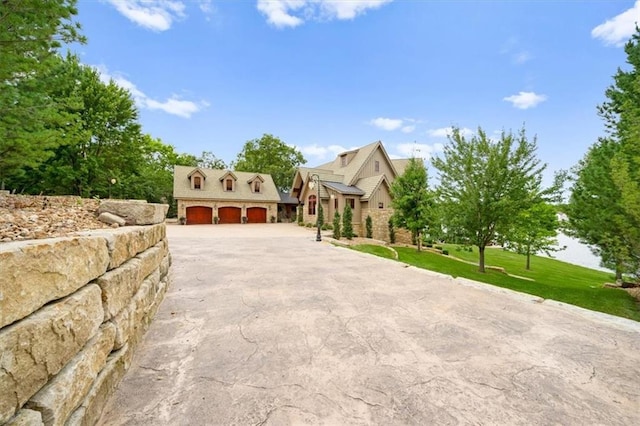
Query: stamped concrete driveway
264,326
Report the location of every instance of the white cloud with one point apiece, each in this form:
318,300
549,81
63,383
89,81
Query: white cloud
386,123
156,15
444,132
418,150
525,100
617,30
291,13
408,129
322,152
174,105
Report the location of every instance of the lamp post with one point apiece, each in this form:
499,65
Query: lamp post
113,182
316,181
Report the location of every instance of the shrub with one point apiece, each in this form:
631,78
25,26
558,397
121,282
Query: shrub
347,226
368,224
429,245
392,232
336,226
273,219
216,219
320,219
244,219
438,247
182,220
445,252
300,218
309,225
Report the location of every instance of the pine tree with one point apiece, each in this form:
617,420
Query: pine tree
347,226
336,226
369,226
392,232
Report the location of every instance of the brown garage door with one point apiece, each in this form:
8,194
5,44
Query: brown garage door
229,214
256,215
199,215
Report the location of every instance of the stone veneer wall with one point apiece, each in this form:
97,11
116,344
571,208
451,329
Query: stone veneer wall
72,311
380,226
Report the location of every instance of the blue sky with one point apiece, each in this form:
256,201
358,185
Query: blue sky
326,76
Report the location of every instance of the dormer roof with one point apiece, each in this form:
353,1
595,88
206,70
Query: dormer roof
197,170
227,174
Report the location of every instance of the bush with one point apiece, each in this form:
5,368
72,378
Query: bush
392,232
326,227
438,247
216,219
445,252
336,226
300,217
429,245
244,219
182,220
309,225
320,219
347,226
369,226
273,219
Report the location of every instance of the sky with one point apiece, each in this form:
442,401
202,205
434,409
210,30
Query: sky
326,76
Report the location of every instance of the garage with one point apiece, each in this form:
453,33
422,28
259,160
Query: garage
229,214
256,215
199,215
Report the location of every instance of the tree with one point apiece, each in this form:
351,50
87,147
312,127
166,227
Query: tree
392,231
368,224
209,161
336,226
595,212
534,231
272,156
347,226
31,31
485,184
412,201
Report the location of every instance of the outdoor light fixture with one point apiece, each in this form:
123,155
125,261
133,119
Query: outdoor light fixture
113,182
316,181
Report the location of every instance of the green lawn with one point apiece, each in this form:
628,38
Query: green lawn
552,279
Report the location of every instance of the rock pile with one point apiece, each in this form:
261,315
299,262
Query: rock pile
25,217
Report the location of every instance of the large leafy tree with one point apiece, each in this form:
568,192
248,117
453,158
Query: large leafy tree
31,31
210,161
595,212
272,156
486,184
413,202
534,231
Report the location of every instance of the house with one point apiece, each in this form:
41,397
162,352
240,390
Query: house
361,178
208,196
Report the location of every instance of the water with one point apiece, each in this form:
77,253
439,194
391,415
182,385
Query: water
576,253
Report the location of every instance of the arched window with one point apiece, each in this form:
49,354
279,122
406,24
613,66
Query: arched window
312,205
196,182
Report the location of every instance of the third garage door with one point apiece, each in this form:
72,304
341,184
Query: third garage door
229,214
256,215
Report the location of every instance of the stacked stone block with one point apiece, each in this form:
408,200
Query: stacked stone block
72,311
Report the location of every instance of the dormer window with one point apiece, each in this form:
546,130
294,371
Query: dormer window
197,182
343,160
228,184
256,186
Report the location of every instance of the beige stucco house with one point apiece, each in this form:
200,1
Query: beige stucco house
361,178
206,196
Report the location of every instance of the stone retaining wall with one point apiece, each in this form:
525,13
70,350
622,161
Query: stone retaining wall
72,310
380,226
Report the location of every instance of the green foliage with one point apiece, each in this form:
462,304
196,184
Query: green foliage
369,226
300,216
336,226
533,231
209,161
553,279
270,155
376,250
347,225
32,123
485,184
392,231
412,201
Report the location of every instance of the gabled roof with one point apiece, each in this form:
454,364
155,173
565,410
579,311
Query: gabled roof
214,190
256,176
371,184
228,173
197,170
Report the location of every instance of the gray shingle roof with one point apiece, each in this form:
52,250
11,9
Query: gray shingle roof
343,189
213,188
370,184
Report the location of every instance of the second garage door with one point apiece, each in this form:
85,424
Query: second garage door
256,215
229,214
198,215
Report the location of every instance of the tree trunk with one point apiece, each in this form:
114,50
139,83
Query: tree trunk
481,258
618,273
528,259
419,240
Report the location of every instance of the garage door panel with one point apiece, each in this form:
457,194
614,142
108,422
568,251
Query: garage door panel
199,215
229,215
256,215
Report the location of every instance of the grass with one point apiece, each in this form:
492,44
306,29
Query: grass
552,279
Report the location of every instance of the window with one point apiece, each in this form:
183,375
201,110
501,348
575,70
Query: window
351,202
312,205
381,205
256,186
197,182
377,166
335,204
343,160
228,184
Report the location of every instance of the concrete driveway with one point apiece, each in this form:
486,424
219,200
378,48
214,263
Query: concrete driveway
264,326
